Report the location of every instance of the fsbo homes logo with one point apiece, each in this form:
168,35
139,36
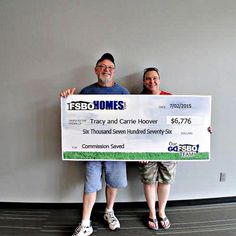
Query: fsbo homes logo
185,150
96,105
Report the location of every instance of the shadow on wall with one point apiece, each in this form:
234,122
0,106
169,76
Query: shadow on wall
135,186
77,78
47,129
133,83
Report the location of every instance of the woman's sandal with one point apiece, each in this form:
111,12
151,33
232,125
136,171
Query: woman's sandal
164,223
152,224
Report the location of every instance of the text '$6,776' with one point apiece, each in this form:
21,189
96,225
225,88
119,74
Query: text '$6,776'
181,121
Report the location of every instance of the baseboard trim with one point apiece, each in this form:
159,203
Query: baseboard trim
171,203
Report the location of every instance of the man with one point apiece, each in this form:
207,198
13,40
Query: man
115,171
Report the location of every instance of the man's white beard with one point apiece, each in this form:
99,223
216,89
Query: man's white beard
105,82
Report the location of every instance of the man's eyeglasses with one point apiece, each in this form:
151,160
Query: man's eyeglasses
103,67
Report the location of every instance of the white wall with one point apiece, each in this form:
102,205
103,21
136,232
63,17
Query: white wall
49,45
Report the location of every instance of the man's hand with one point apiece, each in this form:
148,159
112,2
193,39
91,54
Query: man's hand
67,92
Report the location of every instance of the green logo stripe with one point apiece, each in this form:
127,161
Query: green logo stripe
162,156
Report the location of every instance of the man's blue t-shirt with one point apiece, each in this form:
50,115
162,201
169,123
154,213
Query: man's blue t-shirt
97,89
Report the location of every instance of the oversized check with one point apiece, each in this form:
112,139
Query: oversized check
135,127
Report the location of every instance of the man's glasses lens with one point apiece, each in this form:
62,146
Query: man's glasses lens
103,67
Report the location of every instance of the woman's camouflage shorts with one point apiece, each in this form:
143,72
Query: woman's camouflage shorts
163,172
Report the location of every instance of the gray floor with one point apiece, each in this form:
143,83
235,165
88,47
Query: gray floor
210,220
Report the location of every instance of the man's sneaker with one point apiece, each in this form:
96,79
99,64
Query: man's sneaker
113,222
83,231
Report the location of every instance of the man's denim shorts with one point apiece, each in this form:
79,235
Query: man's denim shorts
115,175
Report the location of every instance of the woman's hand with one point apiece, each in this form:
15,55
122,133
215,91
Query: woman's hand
143,162
209,129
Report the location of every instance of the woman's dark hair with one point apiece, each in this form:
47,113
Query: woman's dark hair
150,69
144,73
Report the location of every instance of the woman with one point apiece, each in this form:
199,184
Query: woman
156,176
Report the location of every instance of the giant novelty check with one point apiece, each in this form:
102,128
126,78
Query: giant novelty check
135,127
